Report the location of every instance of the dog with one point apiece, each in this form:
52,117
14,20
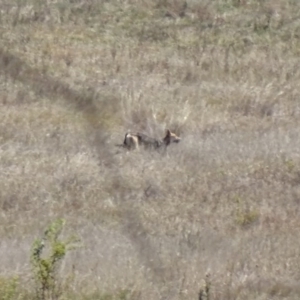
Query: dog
135,140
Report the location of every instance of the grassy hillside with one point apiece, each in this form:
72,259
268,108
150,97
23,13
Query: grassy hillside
75,75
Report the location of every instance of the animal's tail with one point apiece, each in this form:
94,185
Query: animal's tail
124,142
124,145
121,145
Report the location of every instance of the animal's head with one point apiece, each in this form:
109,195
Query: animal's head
171,138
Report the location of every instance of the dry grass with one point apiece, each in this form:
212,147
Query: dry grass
224,75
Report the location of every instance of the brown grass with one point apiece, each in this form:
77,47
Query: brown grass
224,75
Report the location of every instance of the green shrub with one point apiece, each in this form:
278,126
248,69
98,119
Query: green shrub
8,288
45,268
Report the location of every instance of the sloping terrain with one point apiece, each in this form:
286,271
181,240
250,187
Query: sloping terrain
224,75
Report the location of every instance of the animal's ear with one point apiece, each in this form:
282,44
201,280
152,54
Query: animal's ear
168,133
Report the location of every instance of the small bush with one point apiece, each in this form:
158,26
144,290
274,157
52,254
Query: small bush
204,293
244,215
45,269
8,288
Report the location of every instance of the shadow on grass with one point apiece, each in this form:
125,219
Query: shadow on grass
84,102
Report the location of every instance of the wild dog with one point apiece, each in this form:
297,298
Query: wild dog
137,139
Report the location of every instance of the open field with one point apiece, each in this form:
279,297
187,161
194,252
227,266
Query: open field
75,75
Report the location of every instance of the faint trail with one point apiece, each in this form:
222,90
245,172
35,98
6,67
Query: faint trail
84,102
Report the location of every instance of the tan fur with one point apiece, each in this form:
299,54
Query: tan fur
135,140
131,141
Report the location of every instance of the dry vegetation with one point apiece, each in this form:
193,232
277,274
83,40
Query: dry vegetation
75,75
